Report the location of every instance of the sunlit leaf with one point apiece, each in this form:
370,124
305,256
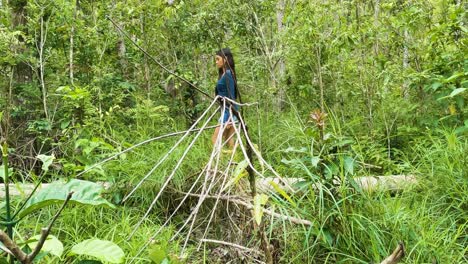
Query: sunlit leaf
454,77
239,173
315,161
259,201
52,245
46,161
105,251
349,165
280,190
157,254
2,171
457,91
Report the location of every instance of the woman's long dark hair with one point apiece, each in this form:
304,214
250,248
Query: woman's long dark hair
228,65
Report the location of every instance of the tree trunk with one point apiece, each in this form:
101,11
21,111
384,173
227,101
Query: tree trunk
318,54
72,34
405,92
376,26
40,49
121,50
145,58
281,64
22,72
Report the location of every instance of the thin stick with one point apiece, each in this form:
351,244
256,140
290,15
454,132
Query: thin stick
169,178
202,198
45,231
170,217
261,158
291,219
156,61
220,191
13,248
171,150
231,245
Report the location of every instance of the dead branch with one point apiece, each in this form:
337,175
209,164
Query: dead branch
15,251
45,231
231,245
396,256
238,201
13,248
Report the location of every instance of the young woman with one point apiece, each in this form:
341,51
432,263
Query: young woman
226,87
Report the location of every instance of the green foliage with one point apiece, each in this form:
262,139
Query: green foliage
105,251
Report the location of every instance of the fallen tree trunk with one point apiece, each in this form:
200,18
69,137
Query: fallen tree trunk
366,183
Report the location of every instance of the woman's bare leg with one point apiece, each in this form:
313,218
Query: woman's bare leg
228,135
215,135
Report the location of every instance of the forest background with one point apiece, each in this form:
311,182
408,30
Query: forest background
345,88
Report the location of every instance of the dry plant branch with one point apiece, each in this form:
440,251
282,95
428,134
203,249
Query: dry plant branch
220,191
169,178
231,245
174,147
172,215
15,251
248,205
396,255
206,190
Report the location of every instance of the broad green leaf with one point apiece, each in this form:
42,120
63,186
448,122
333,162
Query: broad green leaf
105,251
2,172
458,131
84,192
157,254
52,245
46,161
349,165
436,85
282,192
239,172
1,116
259,201
452,94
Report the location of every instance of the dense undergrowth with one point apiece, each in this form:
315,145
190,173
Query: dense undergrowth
350,225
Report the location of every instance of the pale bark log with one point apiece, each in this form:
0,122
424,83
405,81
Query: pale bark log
367,183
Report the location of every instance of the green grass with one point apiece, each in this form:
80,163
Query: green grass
350,226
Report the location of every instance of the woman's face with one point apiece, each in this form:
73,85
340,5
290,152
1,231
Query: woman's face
219,61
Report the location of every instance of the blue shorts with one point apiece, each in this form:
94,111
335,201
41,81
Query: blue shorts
226,116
